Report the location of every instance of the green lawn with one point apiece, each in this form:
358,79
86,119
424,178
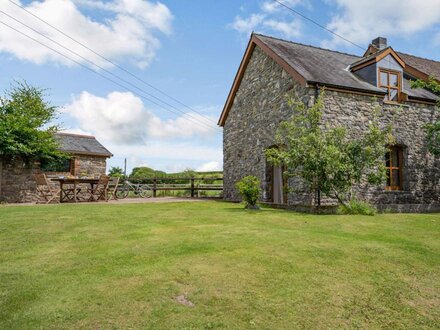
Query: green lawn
121,266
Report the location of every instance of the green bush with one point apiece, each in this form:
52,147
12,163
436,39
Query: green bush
356,206
249,189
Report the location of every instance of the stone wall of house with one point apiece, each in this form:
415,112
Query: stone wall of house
17,184
421,170
261,104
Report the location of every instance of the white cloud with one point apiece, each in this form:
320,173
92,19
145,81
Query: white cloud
122,119
247,25
171,151
122,123
168,156
155,15
271,18
288,29
210,166
128,29
361,21
272,6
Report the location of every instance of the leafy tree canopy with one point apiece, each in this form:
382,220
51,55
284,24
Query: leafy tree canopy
116,171
25,129
146,172
329,159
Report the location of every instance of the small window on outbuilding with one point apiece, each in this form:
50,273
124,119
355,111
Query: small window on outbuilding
61,165
394,166
389,80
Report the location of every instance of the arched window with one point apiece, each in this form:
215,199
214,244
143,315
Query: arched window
394,165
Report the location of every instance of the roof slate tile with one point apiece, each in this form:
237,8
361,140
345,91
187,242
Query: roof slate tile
81,144
331,68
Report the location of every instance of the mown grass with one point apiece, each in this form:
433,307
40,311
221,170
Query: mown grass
121,266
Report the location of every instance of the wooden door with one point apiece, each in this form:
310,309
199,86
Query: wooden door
278,185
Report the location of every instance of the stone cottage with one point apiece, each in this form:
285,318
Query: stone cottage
89,158
272,68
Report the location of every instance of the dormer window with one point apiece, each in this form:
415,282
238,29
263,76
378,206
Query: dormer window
383,68
390,80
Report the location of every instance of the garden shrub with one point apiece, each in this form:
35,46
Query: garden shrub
356,206
249,189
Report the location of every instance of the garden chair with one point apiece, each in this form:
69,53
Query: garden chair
99,192
112,188
46,192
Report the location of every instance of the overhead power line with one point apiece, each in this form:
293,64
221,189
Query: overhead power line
90,69
316,23
110,61
108,71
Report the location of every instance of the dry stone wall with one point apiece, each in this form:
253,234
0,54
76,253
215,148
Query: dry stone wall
17,184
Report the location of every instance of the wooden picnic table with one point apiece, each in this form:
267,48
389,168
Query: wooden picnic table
69,194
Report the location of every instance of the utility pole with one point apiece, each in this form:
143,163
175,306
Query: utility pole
125,167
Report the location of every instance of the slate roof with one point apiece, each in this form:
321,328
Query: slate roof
81,145
429,67
312,65
419,93
331,68
318,65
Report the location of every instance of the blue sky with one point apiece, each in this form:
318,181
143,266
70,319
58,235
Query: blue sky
189,49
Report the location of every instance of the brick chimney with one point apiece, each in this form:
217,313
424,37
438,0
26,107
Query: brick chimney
380,43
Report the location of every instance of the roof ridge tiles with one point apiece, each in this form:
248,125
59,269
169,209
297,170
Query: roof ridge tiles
76,135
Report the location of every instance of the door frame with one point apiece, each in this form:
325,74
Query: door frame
272,183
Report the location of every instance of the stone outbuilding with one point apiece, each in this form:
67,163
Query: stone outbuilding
88,158
273,68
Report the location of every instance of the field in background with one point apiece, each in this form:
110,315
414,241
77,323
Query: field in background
128,266
145,175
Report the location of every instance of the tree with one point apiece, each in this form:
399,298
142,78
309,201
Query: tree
189,173
25,129
116,171
146,172
329,159
432,129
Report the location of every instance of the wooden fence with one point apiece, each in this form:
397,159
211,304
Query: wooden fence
174,184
